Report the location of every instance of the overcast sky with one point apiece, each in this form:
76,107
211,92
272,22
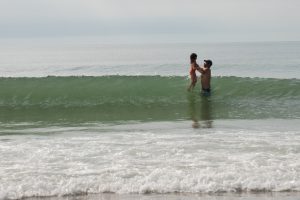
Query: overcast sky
170,20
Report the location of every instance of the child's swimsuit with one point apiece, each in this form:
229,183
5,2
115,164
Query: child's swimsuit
193,74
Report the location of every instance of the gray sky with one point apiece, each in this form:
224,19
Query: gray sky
163,20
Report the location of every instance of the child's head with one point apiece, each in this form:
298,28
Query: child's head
193,57
207,63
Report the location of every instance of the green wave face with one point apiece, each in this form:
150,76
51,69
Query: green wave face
118,98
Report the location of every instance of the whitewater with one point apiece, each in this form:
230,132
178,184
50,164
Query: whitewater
157,157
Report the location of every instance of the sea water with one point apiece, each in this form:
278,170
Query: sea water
83,118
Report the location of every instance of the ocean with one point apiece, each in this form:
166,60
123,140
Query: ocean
80,119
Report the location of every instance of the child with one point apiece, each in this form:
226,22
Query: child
194,67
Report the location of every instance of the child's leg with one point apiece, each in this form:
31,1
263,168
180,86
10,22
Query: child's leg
193,83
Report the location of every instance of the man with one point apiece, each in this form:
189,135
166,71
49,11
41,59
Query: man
205,77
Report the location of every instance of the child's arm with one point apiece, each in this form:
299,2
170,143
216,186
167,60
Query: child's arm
196,66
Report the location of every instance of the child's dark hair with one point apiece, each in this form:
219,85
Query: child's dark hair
193,57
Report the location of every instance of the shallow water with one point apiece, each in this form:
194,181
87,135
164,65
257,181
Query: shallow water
231,196
152,157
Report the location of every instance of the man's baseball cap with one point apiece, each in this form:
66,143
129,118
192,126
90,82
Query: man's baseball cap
209,62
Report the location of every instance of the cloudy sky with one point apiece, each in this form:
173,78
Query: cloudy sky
170,20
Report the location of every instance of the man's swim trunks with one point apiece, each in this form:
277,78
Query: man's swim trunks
206,92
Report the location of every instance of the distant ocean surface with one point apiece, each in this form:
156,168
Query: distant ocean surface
36,58
85,118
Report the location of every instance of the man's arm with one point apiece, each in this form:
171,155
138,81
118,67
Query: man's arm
202,70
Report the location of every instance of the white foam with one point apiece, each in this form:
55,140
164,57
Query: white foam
149,157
